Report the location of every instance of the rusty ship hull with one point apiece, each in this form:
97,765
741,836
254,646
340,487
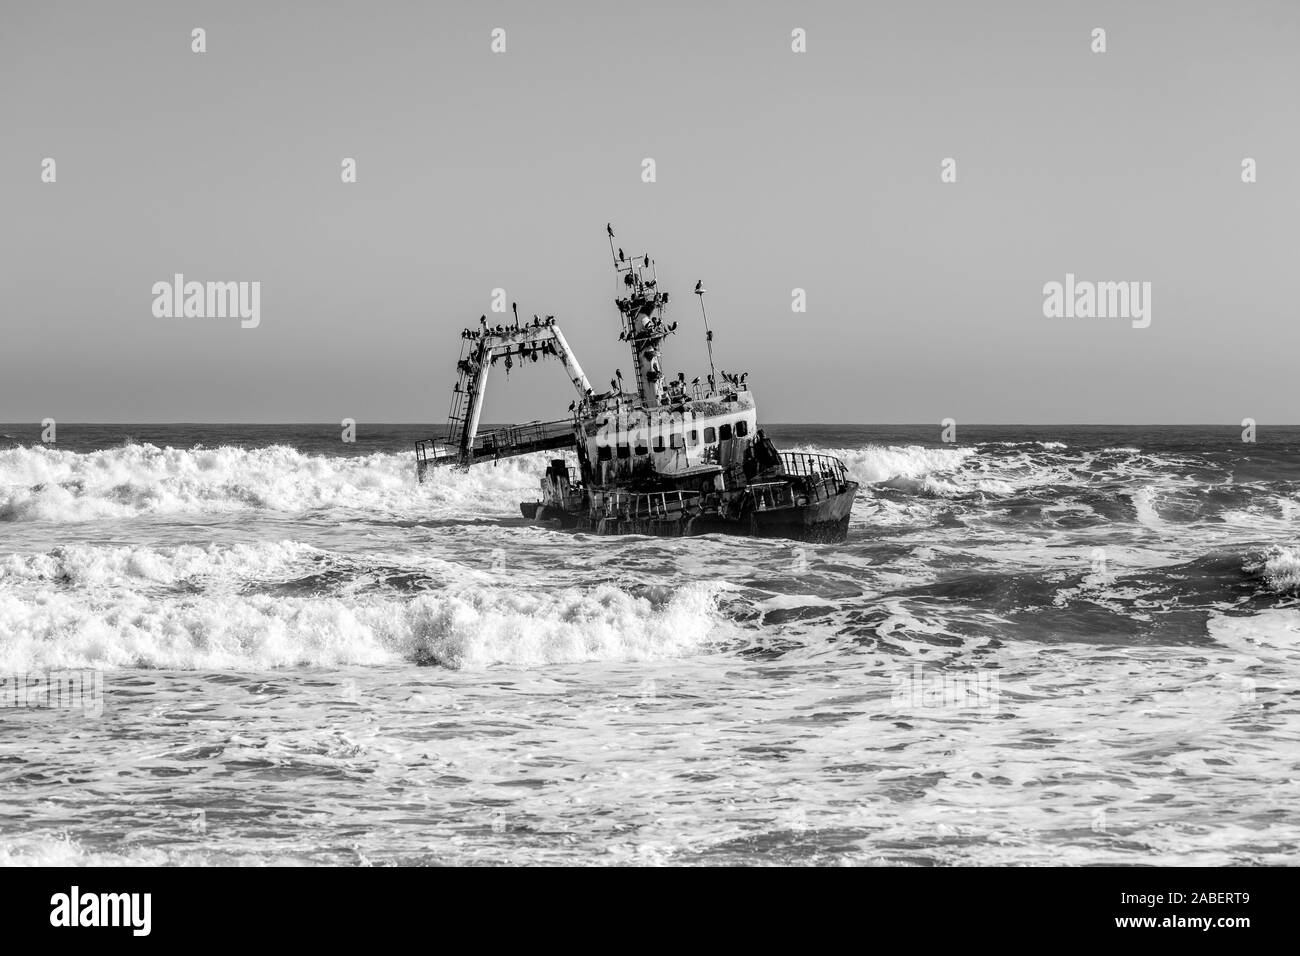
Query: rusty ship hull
824,521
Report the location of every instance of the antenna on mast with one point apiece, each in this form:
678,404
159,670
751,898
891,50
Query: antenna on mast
708,336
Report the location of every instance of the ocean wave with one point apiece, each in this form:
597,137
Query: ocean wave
879,463
64,851
1282,570
1047,445
61,849
913,469
40,483
89,606
91,566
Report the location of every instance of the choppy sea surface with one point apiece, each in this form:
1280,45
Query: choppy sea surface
1039,645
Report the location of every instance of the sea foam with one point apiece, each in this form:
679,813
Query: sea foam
209,608
39,483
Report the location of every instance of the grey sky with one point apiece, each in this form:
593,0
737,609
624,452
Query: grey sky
775,171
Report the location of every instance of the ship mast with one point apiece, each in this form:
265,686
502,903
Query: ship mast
641,306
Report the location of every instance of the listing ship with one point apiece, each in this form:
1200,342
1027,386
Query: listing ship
663,456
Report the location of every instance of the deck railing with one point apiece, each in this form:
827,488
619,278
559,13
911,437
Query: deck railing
494,443
807,464
772,494
653,504
824,475
434,448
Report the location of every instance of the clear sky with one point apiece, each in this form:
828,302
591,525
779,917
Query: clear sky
775,170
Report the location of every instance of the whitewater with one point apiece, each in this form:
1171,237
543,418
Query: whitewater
309,657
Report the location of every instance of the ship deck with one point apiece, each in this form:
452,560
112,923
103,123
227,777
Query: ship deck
493,445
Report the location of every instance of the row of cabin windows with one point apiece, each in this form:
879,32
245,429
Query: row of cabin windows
676,440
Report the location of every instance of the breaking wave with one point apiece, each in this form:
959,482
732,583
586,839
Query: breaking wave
1282,570
220,608
46,484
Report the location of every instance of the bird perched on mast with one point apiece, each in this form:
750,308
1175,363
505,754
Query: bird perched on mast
620,254
609,228
699,287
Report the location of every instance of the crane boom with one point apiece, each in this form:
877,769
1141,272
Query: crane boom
509,345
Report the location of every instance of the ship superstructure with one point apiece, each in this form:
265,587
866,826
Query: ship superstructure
657,455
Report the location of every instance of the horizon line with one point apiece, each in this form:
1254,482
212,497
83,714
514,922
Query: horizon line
766,424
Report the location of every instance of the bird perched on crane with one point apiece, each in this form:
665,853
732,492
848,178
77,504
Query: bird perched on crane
620,254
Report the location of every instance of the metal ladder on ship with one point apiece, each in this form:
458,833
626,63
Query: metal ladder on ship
458,412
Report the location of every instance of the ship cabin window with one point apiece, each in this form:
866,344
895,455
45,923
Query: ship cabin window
603,453
724,433
693,437
710,435
624,451
641,449
659,442
742,428
675,440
